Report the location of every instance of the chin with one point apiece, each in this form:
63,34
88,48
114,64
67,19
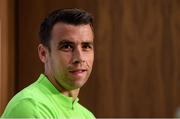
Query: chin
78,84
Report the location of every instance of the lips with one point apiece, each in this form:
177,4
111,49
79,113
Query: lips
78,72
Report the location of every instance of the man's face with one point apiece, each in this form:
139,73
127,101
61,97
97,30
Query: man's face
71,55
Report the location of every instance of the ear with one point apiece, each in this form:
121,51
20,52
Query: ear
43,53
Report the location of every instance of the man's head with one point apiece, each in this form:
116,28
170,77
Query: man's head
66,47
69,16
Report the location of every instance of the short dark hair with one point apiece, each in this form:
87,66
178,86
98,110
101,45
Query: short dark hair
70,16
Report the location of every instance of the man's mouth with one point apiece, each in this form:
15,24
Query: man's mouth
77,72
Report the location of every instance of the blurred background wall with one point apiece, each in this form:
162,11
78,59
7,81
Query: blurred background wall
7,52
137,54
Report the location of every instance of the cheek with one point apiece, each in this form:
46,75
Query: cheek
90,60
63,59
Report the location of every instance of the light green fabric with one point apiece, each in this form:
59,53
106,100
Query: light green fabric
42,100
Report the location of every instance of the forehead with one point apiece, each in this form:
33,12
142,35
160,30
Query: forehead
72,32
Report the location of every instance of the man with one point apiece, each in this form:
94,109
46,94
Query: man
66,49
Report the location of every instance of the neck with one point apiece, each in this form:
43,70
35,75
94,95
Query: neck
70,93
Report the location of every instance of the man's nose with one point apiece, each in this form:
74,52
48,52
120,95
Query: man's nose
78,56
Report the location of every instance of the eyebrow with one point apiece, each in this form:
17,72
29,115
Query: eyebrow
72,43
88,42
65,42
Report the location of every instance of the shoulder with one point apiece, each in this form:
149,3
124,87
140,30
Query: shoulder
27,108
21,108
29,103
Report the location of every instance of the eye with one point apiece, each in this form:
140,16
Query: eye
66,47
87,47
